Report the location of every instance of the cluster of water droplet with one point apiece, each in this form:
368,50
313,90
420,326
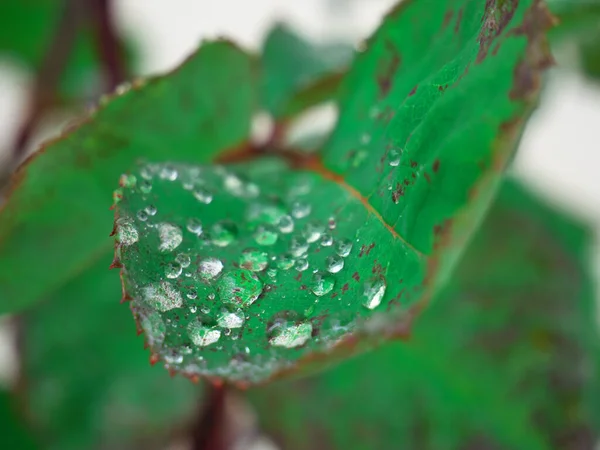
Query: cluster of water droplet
216,292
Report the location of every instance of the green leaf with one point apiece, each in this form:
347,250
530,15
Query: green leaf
89,382
500,360
298,74
590,54
55,222
576,18
417,155
13,433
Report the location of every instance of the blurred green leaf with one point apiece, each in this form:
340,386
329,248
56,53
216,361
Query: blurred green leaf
55,221
89,382
398,193
502,359
298,74
13,433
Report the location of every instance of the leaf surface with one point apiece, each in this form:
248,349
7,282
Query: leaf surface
504,358
430,116
13,433
89,382
55,223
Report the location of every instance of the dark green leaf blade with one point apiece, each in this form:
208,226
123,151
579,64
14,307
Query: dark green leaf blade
89,382
502,359
55,221
298,74
13,433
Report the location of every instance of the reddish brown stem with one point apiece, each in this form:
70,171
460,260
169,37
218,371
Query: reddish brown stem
209,431
45,87
107,41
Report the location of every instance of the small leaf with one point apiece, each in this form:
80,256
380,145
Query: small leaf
502,359
89,382
408,172
54,223
13,433
297,74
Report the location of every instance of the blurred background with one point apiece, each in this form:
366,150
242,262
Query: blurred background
559,155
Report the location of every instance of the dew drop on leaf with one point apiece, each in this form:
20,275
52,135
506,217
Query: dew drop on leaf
127,181
301,265
194,226
326,240
394,158
223,233
210,268
173,270
298,247
170,236
168,173
286,224
334,264
228,319
291,335
202,335
162,296
285,262
313,231
373,293
239,287
254,260
343,247
154,327
151,210
203,196
127,234
300,209
322,284
265,235
183,259
142,215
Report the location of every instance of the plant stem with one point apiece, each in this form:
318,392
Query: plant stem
44,92
107,42
209,430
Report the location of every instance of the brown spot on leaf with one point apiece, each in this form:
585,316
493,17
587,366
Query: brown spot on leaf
496,18
458,21
413,91
388,69
447,18
356,276
436,165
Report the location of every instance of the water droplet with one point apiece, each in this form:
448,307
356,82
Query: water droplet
265,235
127,181
240,287
365,138
146,172
261,213
210,268
334,264
373,293
331,223
343,247
300,209
291,336
286,224
285,262
313,231
173,358
173,270
127,234
170,236
183,259
254,260
326,240
272,273
168,173
142,215
394,157
162,296
358,158
322,284
201,335
192,294
203,196
298,247
151,210
154,327
145,187
301,265
194,226
239,187
223,233
229,319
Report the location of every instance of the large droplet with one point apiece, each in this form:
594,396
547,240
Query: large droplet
265,235
183,259
286,224
291,335
334,264
168,173
322,284
373,293
343,247
194,226
298,247
260,214
170,236
301,264
210,268
127,234
203,196
313,231
202,335
162,296
239,287
254,260
300,209
154,327
228,319
173,270
394,158
223,233
285,262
